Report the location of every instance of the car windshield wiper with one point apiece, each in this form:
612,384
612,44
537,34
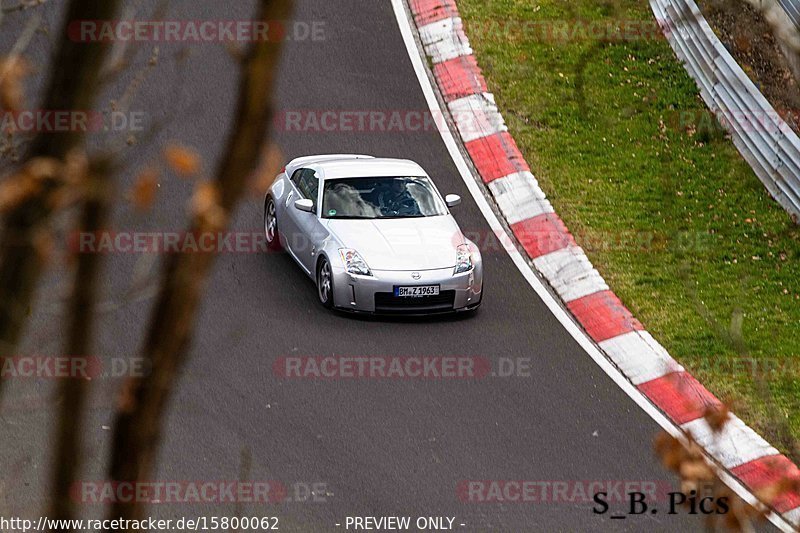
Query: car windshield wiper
349,217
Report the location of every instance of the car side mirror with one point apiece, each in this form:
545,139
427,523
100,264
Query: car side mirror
304,205
452,200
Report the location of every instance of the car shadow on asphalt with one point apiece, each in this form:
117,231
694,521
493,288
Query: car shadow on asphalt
408,319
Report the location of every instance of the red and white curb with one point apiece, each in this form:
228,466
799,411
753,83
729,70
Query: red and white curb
554,253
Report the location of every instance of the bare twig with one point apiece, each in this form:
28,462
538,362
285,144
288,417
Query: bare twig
81,308
22,6
71,86
137,428
20,45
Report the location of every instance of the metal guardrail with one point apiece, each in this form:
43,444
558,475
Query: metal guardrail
792,8
763,138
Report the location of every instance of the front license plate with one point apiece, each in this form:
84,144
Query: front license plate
417,292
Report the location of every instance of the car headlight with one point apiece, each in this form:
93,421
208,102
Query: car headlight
463,259
354,263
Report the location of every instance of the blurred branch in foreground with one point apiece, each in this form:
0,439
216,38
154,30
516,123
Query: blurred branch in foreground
137,427
95,183
72,86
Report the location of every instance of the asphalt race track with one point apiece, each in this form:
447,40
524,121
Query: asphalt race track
380,447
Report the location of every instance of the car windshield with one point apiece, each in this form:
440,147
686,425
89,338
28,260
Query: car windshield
394,197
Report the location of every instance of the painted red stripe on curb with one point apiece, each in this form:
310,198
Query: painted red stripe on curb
603,315
459,77
680,396
496,156
427,11
763,475
542,234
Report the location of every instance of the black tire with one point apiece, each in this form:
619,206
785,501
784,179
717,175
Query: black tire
271,231
325,283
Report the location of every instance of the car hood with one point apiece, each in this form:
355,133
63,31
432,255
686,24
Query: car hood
424,243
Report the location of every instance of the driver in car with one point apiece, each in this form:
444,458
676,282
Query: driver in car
396,200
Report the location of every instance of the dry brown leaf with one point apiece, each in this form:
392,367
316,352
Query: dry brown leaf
64,197
44,245
769,493
76,168
27,182
16,190
41,168
670,450
697,470
143,193
789,485
717,416
12,82
205,206
126,401
184,161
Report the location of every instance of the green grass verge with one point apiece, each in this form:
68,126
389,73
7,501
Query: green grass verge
665,207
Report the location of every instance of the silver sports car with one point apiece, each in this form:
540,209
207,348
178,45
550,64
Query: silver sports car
375,235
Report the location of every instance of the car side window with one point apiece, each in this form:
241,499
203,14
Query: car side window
296,177
309,184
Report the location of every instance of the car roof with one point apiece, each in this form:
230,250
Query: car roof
368,168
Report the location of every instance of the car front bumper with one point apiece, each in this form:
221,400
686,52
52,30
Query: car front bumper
375,294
